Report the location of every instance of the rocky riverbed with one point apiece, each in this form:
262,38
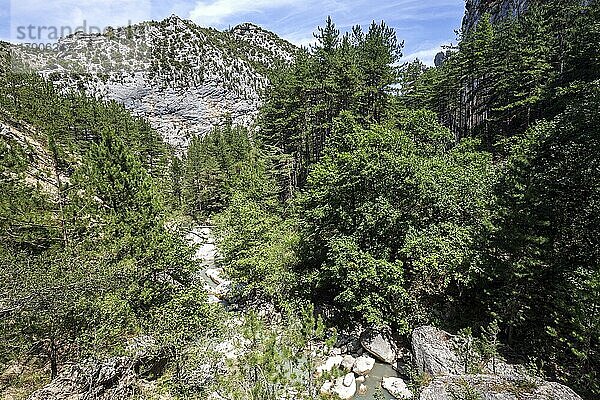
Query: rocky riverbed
367,373
210,274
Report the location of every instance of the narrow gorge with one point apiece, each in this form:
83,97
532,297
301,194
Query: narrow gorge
196,213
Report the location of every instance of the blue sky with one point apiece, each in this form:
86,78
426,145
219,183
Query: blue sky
424,25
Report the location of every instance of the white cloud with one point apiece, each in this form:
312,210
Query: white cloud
209,13
74,14
303,41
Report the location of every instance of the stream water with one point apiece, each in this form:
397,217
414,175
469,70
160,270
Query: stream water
373,382
207,253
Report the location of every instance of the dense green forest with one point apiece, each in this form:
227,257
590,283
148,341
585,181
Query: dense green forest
372,193
86,258
464,195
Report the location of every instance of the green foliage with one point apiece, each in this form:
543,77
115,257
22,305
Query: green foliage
256,241
371,288
61,309
215,167
87,261
505,76
544,253
378,395
531,79
184,330
398,220
354,72
26,220
462,390
111,182
70,122
277,359
390,217
488,345
258,248
466,350
348,196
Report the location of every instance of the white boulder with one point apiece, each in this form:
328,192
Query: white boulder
215,275
362,390
363,365
397,388
330,363
348,362
344,387
326,388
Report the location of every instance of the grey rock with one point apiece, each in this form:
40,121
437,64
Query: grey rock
330,364
111,379
493,387
363,365
344,387
349,380
326,388
434,351
440,58
348,362
362,390
199,84
498,10
397,388
215,275
380,344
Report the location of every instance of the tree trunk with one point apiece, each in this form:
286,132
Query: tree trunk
53,355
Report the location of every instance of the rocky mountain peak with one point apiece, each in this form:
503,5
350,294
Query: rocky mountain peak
174,19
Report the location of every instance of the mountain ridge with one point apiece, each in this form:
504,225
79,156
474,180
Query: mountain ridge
185,79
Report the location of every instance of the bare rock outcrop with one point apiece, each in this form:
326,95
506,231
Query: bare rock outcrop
109,380
494,387
436,354
497,9
381,344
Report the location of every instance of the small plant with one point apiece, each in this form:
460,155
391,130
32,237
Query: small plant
520,388
465,349
378,395
488,344
463,390
418,380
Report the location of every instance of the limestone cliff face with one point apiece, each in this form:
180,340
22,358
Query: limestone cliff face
498,9
183,78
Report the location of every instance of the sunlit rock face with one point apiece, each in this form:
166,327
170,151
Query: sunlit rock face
498,10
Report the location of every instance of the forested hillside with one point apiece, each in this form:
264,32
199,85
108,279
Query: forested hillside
86,259
373,208
463,196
